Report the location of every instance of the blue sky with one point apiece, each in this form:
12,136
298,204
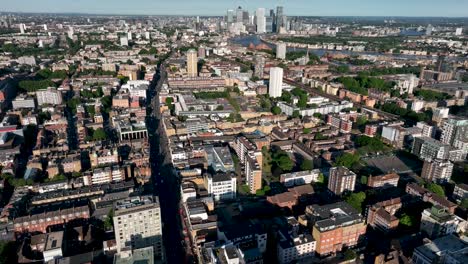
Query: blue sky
446,8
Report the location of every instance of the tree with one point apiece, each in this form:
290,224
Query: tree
306,130
260,192
349,254
276,110
307,165
317,115
361,121
407,220
321,178
464,203
364,180
356,200
347,160
220,108
287,97
296,114
7,252
99,134
319,136
281,160
437,189
108,222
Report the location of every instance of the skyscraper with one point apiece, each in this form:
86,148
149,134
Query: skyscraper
239,15
276,82
281,50
279,18
192,60
137,224
260,20
230,16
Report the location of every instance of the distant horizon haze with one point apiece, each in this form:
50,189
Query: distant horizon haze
380,8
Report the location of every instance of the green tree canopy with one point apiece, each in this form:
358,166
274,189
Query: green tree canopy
307,165
356,200
347,160
99,134
437,189
276,110
281,160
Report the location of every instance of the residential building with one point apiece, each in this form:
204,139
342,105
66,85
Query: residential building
370,130
440,114
140,255
244,235
437,222
428,148
253,173
242,147
123,41
340,122
341,179
453,130
104,175
221,186
460,192
299,178
427,130
137,224
195,125
53,246
448,249
384,181
49,96
276,82
428,196
22,102
335,227
292,197
259,66
292,246
40,222
382,215
437,170
394,135
281,50
192,63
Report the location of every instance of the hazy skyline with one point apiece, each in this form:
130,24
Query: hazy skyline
447,8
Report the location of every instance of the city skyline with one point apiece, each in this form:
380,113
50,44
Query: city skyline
416,8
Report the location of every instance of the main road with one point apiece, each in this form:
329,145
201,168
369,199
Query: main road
165,183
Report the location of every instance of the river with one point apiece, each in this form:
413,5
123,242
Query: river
245,41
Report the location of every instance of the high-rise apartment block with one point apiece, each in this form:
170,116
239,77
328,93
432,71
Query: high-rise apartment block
281,50
276,82
455,130
137,224
341,179
192,61
437,170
